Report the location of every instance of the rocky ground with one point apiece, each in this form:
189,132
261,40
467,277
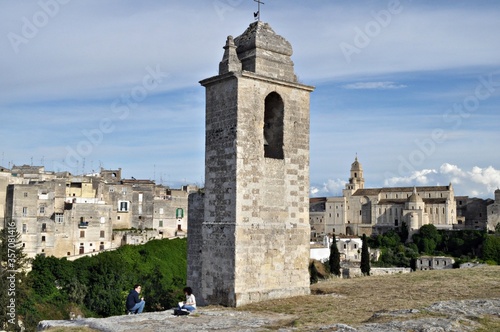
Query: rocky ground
445,316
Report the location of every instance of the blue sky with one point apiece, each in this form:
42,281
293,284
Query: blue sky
411,87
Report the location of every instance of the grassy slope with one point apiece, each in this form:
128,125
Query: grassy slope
353,301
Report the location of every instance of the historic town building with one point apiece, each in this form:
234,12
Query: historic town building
363,210
493,212
62,215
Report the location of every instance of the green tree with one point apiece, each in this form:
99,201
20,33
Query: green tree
427,239
491,249
403,233
365,257
334,260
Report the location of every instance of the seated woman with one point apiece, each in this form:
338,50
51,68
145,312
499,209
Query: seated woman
190,303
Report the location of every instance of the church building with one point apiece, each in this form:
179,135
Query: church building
369,211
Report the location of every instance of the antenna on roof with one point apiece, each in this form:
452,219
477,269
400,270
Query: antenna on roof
256,15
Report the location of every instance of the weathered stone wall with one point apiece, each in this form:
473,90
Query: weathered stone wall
255,232
354,272
195,244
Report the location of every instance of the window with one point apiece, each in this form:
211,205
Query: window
59,217
160,223
103,220
123,206
111,189
42,209
25,211
82,234
396,222
101,234
355,246
161,210
43,238
25,194
44,227
273,126
25,228
140,197
179,213
345,246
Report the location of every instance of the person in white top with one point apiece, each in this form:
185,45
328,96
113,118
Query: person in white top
190,303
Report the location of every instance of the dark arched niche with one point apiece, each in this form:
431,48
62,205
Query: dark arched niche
273,126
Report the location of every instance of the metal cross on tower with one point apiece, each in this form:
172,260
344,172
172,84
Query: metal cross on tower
256,15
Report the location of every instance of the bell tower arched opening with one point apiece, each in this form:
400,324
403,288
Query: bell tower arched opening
273,126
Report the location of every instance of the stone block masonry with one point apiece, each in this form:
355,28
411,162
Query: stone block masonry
251,242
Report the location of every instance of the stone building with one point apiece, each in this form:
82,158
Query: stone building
65,216
251,241
472,213
493,212
363,210
434,263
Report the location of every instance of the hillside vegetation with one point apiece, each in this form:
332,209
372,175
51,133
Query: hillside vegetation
97,286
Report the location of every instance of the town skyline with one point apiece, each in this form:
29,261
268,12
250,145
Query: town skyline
411,89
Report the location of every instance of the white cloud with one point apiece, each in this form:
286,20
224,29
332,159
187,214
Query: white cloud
489,177
420,178
329,188
374,86
481,182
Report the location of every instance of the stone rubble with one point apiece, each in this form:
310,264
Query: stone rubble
448,316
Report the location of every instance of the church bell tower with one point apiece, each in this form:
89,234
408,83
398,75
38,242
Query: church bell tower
252,243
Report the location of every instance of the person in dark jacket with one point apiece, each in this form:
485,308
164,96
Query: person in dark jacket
135,305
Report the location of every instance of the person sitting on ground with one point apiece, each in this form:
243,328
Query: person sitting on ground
190,303
135,305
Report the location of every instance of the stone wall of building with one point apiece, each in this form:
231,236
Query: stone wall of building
355,272
195,243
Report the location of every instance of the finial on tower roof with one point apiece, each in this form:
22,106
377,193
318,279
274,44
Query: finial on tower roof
256,15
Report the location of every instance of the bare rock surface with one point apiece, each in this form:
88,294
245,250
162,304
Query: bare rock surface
447,316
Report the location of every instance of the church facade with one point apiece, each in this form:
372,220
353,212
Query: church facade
369,211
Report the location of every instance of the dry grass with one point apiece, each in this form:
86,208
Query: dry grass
353,301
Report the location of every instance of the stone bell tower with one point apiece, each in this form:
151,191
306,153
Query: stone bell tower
252,242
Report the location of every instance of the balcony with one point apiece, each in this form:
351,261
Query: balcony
83,224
